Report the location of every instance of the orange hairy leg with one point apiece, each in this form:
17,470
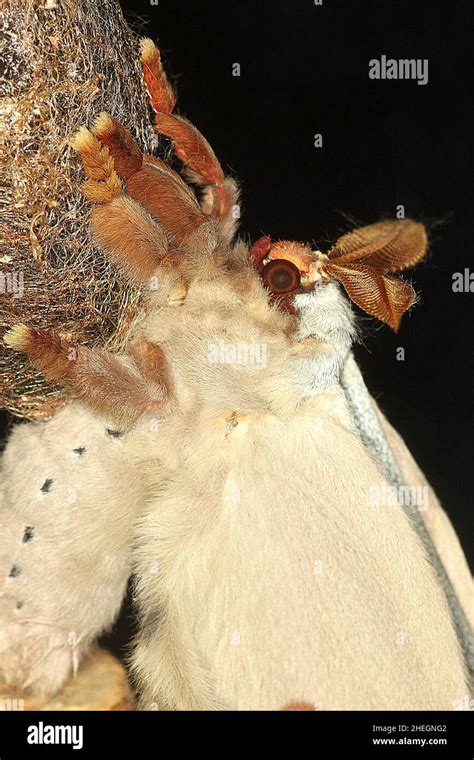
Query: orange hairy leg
96,377
103,183
134,243
162,95
174,205
120,143
157,189
150,361
201,166
150,181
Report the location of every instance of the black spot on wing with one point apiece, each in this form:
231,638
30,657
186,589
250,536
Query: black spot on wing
46,487
114,433
28,534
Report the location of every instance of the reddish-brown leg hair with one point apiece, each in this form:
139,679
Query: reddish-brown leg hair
220,193
102,380
151,362
158,189
132,240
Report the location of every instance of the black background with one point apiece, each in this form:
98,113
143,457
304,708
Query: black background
304,70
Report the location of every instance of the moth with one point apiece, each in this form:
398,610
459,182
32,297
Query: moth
266,574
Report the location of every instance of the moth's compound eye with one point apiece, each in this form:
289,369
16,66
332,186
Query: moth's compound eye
281,276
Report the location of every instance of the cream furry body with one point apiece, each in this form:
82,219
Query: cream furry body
269,578
266,574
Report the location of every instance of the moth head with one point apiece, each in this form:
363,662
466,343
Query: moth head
288,268
364,261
